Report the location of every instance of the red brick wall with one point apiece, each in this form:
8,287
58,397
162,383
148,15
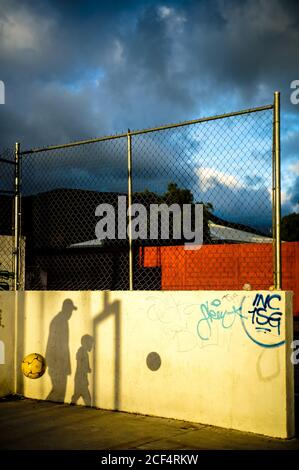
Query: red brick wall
224,267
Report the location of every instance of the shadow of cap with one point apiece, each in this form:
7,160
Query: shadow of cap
68,304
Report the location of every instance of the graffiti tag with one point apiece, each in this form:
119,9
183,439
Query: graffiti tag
214,311
266,318
261,319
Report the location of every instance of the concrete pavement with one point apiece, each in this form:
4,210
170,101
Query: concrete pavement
30,424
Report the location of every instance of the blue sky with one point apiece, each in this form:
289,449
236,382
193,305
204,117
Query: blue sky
74,70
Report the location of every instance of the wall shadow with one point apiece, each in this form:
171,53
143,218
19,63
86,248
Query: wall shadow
82,370
263,374
109,310
20,308
58,352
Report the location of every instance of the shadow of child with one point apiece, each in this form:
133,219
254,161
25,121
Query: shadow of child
82,371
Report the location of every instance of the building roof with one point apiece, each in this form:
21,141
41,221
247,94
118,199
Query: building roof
88,244
219,233
233,235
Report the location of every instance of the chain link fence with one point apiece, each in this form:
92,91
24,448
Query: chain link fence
224,163
61,190
7,168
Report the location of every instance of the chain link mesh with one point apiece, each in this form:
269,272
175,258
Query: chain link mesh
7,168
60,192
225,164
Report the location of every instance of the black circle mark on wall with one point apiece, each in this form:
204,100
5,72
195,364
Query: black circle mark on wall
153,361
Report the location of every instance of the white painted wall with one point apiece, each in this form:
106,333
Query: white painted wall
223,372
7,319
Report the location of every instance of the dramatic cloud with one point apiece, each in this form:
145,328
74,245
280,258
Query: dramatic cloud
74,70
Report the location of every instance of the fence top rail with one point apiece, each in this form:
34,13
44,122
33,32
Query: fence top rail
146,131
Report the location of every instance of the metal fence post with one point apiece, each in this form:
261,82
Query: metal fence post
273,206
17,219
129,209
277,198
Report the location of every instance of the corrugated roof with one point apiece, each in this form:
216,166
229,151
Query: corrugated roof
218,233
228,234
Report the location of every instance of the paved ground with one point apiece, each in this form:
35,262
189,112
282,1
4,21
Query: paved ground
30,424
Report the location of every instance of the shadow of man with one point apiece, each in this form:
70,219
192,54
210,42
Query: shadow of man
58,353
83,368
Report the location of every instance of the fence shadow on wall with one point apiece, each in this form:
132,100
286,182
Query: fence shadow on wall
110,310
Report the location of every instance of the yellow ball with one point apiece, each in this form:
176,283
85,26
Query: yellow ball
33,366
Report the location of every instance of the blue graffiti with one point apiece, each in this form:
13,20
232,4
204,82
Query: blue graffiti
259,343
265,318
260,318
264,321
211,312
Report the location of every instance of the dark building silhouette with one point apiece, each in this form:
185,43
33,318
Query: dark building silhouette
54,221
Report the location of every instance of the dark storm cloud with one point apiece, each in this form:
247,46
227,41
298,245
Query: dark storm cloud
250,44
141,63
79,69
295,192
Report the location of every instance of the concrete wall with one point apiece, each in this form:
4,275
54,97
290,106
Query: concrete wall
7,324
196,356
240,264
